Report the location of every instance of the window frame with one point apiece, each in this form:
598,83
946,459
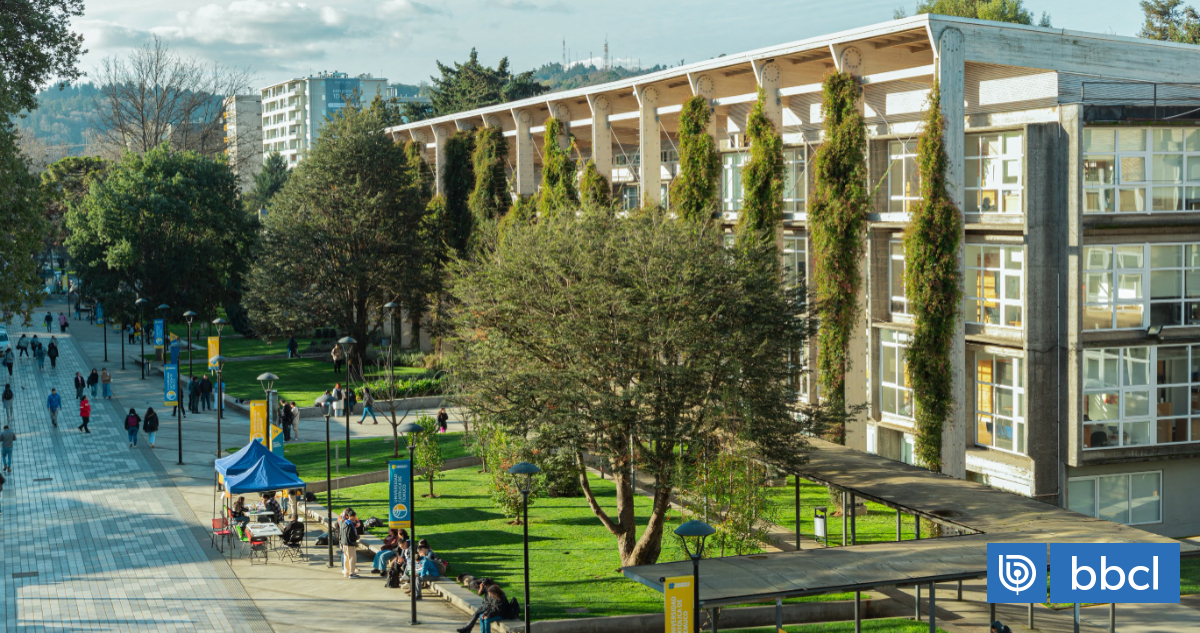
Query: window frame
902,385
731,181
1129,498
1114,280
893,299
795,168
1156,392
899,165
1019,417
976,270
976,151
1113,191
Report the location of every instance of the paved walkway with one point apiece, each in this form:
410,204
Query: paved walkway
118,537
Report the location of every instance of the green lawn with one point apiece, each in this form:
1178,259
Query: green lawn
887,625
366,455
877,525
236,347
300,379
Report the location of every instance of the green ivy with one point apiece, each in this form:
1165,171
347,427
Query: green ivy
458,181
594,190
762,177
558,172
837,219
490,200
694,191
933,285
420,173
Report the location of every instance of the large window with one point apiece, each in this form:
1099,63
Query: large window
904,181
1116,278
1000,402
899,301
895,390
994,285
993,172
1132,499
1141,395
1140,170
795,258
731,181
795,181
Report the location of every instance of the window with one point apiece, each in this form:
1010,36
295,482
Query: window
1000,402
904,181
629,197
1131,499
1115,279
731,181
795,258
1141,395
899,302
895,391
795,181
994,285
993,181
797,378
1140,170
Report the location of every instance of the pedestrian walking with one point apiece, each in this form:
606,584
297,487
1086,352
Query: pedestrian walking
39,352
193,392
132,422
9,396
206,390
285,422
338,357
442,420
183,388
80,383
52,353
85,414
295,419
23,346
62,323
54,403
48,320
351,399
292,347
149,425
9,359
93,380
368,406
7,437
339,400
105,383
137,331
129,333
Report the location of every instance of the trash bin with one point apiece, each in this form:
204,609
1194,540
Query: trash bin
819,522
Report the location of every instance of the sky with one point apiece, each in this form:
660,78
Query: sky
403,39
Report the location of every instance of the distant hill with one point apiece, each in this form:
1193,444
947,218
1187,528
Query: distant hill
558,78
62,117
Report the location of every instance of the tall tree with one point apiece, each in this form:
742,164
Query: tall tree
165,225
419,279
64,184
36,47
267,182
490,198
1013,11
337,235
458,181
838,217
694,191
558,171
471,85
1170,20
594,190
762,177
23,231
588,331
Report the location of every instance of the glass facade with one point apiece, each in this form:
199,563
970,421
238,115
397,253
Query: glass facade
795,181
904,180
1137,396
898,301
1141,170
993,179
994,284
1131,499
1000,402
895,390
1116,279
731,181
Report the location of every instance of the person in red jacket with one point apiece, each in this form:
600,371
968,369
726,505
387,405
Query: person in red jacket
85,412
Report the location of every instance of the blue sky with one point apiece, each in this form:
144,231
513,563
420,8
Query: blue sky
402,39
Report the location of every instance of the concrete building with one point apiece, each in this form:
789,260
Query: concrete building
243,137
1075,159
293,111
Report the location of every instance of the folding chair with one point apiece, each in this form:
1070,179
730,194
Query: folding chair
220,529
293,546
256,547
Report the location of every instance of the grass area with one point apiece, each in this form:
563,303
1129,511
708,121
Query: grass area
300,379
877,525
236,346
887,625
366,455
573,558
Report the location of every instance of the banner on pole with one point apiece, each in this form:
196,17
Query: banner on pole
158,333
679,606
400,494
175,346
171,385
99,315
214,350
258,421
276,440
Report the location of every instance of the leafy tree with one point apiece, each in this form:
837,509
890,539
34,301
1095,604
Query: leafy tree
267,182
428,453
64,184
38,46
558,172
1012,11
838,219
694,191
490,199
25,228
594,190
472,85
585,330
389,111
1170,20
338,233
165,225
762,177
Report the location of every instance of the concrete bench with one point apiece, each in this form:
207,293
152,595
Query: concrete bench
463,600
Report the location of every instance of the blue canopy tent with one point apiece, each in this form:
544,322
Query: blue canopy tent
264,476
247,457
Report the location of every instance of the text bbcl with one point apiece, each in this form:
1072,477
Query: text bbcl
1114,572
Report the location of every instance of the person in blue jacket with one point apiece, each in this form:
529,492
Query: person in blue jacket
54,403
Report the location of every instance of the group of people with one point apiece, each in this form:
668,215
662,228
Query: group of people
62,322
101,378
345,399
238,513
394,560
200,394
133,423
33,347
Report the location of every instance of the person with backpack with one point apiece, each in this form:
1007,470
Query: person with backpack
348,536
339,400
105,383
495,608
48,321
386,553
8,402
54,403
427,569
9,359
85,414
23,346
93,380
80,383
52,353
7,437
149,425
62,323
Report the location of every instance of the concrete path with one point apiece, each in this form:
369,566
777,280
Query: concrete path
118,537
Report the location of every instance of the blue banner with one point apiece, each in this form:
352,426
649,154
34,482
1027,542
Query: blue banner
99,315
1016,572
175,346
400,494
171,385
1128,573
158,333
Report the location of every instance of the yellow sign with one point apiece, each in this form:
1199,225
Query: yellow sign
258,421
680,608
214,350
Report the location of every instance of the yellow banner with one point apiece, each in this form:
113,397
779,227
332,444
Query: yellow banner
214,350
258,421
680,608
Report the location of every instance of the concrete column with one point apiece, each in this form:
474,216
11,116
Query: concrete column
649,146
950,74
704,86
770,78
562,112
440,134
601,136
525,184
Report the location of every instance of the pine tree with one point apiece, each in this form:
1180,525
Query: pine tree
490,199
267,182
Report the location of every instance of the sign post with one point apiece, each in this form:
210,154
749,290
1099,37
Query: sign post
171,399
214,350
159,334
400,494
679,607
258,422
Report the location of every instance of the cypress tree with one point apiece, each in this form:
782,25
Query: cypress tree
558,173
458,181
490,200
694,190
762,177
594,190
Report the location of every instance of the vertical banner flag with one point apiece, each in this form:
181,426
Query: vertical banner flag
679,608
276,440
400,494
175,346
158,333
214,350
171,385
99,315
258,421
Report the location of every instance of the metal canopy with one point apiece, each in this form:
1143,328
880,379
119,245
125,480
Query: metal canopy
994,515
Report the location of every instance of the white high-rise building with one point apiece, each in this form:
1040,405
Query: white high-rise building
293,111
243,137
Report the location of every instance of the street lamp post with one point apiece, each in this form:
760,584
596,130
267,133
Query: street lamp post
267,380
412,428
220,361
697,531
178,412
324,402
391,309
220,404
529,470
163,308
189,315
141,304
347,344
122,337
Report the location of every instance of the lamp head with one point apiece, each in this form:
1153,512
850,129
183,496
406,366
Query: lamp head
346,342
391,305
220,323
140,303
411,427
189,315
220,361
527,469
696,531
267,381
164,307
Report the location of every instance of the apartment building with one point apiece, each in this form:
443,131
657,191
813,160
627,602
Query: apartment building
1075,159
243,137
293,111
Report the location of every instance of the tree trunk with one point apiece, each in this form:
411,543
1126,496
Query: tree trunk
631,549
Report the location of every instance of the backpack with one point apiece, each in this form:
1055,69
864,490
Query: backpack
514,610
309,497
373,522
393,576
130,422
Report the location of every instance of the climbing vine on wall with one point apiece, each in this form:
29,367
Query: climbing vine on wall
594,190
762,177
837,220
489,199
933,286
458,181
694,191
558,172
